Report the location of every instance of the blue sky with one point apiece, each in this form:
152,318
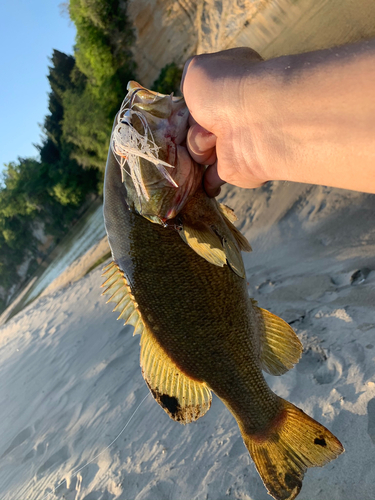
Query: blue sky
29,30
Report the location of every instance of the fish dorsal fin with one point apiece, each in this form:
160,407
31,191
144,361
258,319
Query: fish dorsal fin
204,241
181,397
119,292
280,346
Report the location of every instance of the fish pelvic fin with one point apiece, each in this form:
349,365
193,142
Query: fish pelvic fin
182,398
280,346
292,443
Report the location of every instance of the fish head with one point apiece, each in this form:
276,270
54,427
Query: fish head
149,142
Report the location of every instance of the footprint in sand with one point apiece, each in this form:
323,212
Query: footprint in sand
40,449
66,488
324,368
360,276
36,451
19,439
236,449
118,362
266,287
329,372
28,456
59,457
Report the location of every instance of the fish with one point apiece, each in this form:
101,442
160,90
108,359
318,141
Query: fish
177,276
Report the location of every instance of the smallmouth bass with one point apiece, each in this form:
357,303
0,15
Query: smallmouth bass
178,277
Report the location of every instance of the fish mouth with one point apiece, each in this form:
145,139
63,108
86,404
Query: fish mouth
149,143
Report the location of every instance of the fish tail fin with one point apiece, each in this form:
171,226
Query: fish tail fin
292,443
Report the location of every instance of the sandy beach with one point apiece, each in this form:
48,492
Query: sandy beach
77,419
71,377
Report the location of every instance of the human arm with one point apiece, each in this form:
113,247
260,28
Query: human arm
304,118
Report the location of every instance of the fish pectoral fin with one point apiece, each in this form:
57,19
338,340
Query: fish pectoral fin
119,292
230,217
280,346
292,443
181,397
204,241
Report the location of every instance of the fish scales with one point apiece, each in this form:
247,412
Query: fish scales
180,281
200,313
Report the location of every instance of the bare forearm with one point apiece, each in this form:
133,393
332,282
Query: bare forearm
318,123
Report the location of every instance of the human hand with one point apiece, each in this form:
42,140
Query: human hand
303,118
215,88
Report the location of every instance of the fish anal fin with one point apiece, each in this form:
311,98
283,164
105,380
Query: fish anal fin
205,242
182,398
280,346
292,443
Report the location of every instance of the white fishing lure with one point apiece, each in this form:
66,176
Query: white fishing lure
128,145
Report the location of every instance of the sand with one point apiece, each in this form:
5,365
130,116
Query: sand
71,377
80,267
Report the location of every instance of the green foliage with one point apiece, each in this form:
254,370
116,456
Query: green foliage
104,58
86,92
103,30
94,57
48,191
87,128
17,209
168,80
65,195
60,80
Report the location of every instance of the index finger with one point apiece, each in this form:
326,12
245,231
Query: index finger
184,74
201,145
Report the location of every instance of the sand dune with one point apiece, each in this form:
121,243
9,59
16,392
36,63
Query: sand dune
71,378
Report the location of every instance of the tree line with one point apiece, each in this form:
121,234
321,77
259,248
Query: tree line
85,93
